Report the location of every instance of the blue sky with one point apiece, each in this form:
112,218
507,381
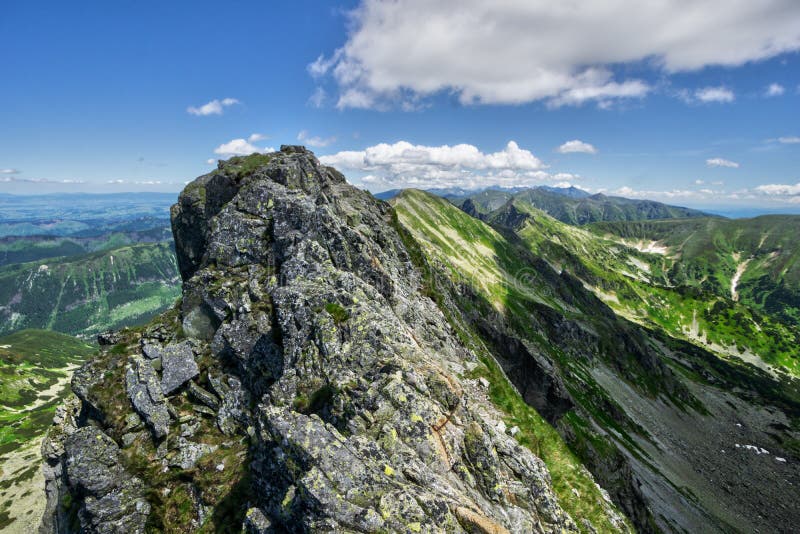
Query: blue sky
696,107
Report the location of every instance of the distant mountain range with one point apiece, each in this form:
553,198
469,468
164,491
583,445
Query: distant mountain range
571,205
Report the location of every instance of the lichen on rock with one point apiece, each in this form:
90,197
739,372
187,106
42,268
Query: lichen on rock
316,373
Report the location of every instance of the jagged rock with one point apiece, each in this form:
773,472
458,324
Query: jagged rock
178,366
144,391
151,351
256,522
113,501
108,338
328,359
201,395
189,453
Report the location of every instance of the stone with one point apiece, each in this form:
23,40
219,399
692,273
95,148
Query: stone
116,500
202,396
178,366
144,392
189,453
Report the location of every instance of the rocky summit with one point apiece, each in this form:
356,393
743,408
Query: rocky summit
305,382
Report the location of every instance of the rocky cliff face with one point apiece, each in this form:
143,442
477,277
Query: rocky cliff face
303,384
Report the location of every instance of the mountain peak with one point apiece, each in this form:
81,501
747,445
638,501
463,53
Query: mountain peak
304,342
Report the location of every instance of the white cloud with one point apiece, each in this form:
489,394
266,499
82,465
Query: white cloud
670,195
211,161
256,137
714,94
775,89
318,97
239,147
314,141
9,171
779,189
699,182
518,51
576,146
16,179
215,107
791,140
720,162
405,165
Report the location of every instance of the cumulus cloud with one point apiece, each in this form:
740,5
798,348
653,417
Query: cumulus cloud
720,162
775,89
215,107
313,140
256,137
779,189
576,146
403,164
519,51
240,147
790,140
211,161
714,94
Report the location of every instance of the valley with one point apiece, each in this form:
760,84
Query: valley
35,369
667,406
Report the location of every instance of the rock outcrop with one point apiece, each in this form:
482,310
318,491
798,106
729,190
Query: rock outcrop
303,384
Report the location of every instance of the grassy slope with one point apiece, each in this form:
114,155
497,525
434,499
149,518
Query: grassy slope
709,248
34,378
642,286
89,293
465,245
32,361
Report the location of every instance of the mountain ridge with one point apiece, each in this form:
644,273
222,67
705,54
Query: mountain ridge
356,366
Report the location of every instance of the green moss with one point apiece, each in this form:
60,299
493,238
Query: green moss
243,165
337,312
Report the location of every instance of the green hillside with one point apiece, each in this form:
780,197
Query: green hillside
684,291
89,293
22,249
649,399
708,253
35,367
576,211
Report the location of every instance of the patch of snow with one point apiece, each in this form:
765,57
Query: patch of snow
737,276
758,450
779,459
5,346
652,247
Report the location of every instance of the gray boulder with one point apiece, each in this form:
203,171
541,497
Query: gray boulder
144,391
114,501
178,366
